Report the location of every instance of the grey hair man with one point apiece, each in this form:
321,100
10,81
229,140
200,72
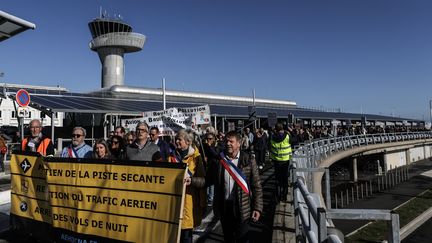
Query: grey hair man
78,148
142,148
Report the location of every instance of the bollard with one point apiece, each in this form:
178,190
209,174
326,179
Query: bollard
367,189
386,180
336,201
357,192
401,175
361,189
406,173
397,175
342,202
352,194
391,179
347,196
371,187
378,183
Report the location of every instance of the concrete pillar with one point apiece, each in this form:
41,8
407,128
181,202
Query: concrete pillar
215,122
385,169
112,66
408,156
354,170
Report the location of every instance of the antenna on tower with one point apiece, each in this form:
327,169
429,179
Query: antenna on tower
100,11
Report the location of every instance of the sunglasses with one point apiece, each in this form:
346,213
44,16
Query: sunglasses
141,130
115,142
77,135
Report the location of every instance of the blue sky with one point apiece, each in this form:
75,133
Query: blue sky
370,56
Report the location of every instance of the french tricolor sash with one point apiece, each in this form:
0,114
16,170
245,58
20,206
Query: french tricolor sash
71,152
235,173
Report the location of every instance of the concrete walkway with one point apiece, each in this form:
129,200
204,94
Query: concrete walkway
283,223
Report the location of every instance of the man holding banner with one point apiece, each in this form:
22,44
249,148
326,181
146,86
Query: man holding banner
37,142
238,192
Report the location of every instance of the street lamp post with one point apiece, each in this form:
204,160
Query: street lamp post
430,108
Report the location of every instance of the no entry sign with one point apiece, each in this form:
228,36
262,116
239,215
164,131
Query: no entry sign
22,97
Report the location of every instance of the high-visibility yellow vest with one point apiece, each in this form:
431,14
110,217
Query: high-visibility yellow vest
281,151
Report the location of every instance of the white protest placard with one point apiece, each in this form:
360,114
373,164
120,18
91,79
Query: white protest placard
171,120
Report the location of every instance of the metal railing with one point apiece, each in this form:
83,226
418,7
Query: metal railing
312,221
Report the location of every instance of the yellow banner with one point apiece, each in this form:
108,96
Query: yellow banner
116,201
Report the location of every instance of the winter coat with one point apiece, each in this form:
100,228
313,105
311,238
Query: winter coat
247,203
195,197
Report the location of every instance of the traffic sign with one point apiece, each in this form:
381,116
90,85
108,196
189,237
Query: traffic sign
22,97
23,112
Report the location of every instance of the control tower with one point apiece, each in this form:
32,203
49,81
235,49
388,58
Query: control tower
112,38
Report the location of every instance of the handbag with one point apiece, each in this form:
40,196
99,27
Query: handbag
250,229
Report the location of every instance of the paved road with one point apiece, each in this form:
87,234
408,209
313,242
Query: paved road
392,198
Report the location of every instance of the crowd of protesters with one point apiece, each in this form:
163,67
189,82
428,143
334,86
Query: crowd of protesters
214,160
223,169
302,134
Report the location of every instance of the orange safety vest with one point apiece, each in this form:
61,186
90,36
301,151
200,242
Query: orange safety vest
43,145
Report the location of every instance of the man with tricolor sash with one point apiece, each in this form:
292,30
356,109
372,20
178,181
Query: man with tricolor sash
78,148
238,192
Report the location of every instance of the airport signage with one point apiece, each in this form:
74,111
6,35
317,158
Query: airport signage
22,98
96,201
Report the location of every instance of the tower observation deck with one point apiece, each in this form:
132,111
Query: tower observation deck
112,38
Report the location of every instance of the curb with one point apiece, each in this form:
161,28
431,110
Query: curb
409,228
415,223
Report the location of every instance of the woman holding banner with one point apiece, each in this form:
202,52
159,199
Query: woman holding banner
195,198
